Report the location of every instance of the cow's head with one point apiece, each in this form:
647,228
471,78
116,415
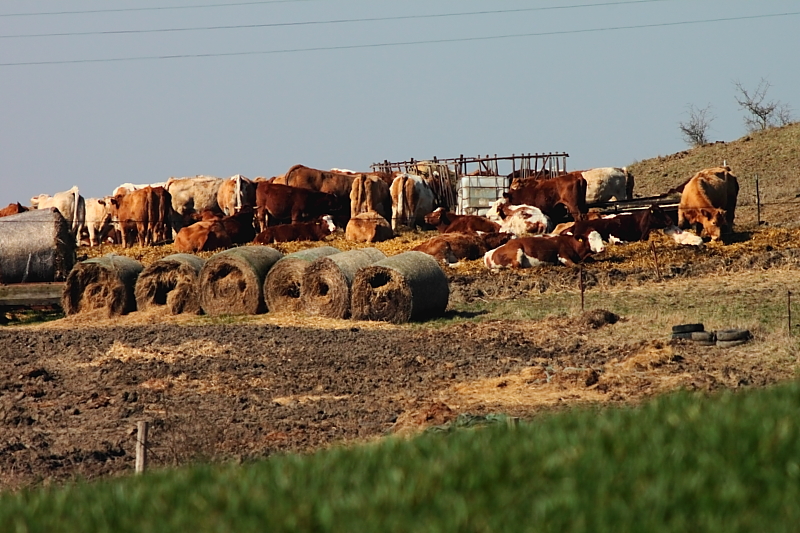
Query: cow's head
434,218
594,241
714,222
659,219
327,221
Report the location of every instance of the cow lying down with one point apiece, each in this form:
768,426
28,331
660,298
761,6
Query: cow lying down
526,252
297,231
450,248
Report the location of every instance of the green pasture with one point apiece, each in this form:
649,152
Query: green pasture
683,462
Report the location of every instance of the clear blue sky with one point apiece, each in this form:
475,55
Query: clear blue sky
568,76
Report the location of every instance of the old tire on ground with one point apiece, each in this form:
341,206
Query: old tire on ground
401,288
703,336
684,336
232,282
171,282
730,344
284,282
733,335
688,328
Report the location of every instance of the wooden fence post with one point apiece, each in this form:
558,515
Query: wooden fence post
789,308
141,447
655,258
758,203
583,286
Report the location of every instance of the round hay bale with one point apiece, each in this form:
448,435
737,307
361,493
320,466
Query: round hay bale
282,287
231,282
105,282
172,282
325,290
35,246
401,288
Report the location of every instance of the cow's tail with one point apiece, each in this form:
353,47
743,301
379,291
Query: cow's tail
581,200
628,183
76,195
401,201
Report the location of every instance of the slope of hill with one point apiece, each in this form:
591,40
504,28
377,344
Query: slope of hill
773,155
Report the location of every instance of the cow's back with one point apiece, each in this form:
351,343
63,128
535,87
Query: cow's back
603,184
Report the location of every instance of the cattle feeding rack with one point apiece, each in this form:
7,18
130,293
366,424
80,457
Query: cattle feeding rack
469,185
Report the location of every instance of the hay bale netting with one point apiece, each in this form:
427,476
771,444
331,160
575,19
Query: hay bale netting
231,281
401,288
35,246
105,282
282,287
172,281
326,283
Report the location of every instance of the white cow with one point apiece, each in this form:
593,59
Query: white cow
98,219
519,219
71,206
412,199
603,184
192,195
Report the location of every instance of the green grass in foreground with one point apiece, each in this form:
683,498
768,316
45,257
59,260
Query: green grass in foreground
683,462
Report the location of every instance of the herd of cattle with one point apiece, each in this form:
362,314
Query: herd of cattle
542,219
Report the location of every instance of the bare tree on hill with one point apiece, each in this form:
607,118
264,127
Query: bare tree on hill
695,130
762,114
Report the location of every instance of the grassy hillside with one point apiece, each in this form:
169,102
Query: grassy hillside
773,155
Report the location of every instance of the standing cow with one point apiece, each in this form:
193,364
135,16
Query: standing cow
412,199
192,196
709,200
70,204
98,219
236,193
370,193
603,184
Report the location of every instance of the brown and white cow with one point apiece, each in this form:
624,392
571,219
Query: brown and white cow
412,199
557,197
70,204
709,200
526,252
235,194
98,219
368,227
192,195
603,184
519,219
450,248
370,193
299,231
279,204
627,227
13,209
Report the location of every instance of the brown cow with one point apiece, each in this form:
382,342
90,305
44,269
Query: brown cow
370,193
709,200
203,236
526,252
132,213
552,196
368,227
336,183
450,248
446,222
299,231
283,203
13,209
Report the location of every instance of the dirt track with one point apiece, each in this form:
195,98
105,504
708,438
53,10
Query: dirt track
70,397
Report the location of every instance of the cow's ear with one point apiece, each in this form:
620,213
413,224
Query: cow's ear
101,202
706,213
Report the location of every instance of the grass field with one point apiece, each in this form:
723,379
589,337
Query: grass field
683,462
